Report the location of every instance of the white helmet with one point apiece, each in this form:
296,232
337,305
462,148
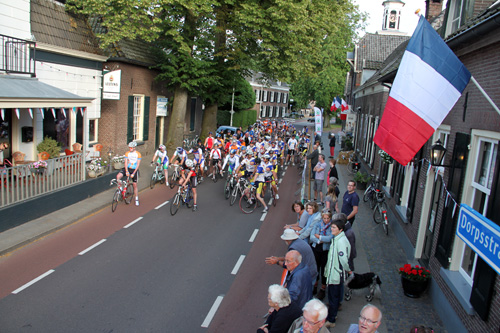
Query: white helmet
189,163
132,144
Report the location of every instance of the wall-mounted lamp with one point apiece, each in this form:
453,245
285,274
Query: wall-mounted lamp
437,154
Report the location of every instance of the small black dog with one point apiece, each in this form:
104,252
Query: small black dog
360,281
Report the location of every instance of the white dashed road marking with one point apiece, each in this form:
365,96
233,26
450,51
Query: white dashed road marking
212,312
92,247
133,222
33,281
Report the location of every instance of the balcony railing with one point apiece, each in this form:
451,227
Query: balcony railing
23,182
17,55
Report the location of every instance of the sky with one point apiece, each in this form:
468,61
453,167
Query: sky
375,11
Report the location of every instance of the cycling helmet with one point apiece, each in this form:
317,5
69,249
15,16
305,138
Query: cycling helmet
132,144
232,151
266,156
189,163
210,133
218,135
162,147
257,160
179,149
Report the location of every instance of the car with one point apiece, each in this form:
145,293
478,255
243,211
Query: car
311,120
224,129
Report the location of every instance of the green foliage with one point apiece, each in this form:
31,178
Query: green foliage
223,117
50,146
362,177
244,118
244,96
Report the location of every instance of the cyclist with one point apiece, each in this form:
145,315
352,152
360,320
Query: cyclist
199,159
259,181
269,173
215,157
131,169
232,160
189,175
162,159
180,156
292,146
209,141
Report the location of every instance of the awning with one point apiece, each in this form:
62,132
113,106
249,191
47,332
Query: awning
27,92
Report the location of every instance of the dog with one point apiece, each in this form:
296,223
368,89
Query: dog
359,281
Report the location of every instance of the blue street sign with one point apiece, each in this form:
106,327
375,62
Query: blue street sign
481,234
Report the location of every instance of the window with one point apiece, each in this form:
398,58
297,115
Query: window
481,190
93,125
285,97
272,96
460,12
138,118
265,96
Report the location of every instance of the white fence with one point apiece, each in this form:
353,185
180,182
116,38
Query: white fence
23,182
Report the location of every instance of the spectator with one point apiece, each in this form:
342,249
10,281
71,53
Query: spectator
302,216
369,320
312,320
332,145
332,172
331,200
321,238
284,311
336,268
312,210
350,202
294,243
319,178
351,237
314,157
298,280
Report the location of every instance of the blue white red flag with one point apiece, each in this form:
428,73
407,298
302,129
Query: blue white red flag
343,105
333,105
338,104
429,81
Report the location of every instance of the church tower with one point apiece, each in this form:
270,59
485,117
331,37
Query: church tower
392,15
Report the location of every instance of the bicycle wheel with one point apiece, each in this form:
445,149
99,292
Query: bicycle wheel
227,188
153,180
129,194
367,194
116,198
248,205
234,195
377,214
173,180
175,203
161,177
385,224
190,199
350,167
373,200
216,173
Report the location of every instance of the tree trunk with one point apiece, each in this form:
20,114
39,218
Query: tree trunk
326,122
209,122
177,119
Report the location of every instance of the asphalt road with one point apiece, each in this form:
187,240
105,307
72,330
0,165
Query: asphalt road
162,273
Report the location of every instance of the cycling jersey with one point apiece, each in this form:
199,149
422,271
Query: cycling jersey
209,142
233,162
292,143
215,154
198,154
162,156
180,156
133,157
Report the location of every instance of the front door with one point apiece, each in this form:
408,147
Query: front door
431,221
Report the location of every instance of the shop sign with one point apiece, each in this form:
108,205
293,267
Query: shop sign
481,234
111,85
161,106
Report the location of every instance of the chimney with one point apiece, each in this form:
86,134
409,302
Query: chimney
434,8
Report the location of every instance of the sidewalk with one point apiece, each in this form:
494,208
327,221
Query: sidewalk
26,233
382,255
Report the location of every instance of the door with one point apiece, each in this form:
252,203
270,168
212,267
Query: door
431,221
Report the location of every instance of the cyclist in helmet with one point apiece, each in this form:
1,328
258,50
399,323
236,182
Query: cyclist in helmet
199,158
215,156
259,181
189,175
233,160
180,156
131,169
161,158
209,141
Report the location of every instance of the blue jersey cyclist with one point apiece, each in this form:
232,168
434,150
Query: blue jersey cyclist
180,156
198,159
259,181
269,174
161,157
188,174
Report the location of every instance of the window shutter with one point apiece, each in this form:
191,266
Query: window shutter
145,129
484,276
130,119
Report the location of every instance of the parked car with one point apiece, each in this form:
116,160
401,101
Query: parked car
224,129
311,120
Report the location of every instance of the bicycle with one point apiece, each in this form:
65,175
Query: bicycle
380,212
216,172
238,190
157,176
353,166
229,185
370,191
183,196
175,176
248,200
124,192
271,191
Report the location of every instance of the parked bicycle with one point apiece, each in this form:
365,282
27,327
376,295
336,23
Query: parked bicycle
157,176
380,212
369,195
175,175
353,166
124,192
183,196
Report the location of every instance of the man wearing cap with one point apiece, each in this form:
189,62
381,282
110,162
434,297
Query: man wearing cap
294,243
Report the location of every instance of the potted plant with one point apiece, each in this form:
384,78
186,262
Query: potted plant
118,162
39,167
361,179
50,146
96,167
414,279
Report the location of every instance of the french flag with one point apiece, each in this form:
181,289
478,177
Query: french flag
338,104
333,105
343,105
429,81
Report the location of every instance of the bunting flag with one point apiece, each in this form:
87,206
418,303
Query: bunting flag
53,112
82,110
17,112
429,81
64,112
41,112
74,109
31,112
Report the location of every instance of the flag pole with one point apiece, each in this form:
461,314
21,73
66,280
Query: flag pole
485,94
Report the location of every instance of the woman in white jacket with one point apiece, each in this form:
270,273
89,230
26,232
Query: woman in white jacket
336,268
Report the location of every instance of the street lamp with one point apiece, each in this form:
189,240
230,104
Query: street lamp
232,109
437,153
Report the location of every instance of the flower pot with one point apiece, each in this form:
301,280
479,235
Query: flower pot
92,173
414,289
118,165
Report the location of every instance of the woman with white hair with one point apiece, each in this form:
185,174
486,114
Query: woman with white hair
284,312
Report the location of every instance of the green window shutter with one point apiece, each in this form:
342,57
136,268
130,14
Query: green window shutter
130,119
145,129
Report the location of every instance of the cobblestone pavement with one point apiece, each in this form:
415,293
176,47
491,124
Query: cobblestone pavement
385,255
